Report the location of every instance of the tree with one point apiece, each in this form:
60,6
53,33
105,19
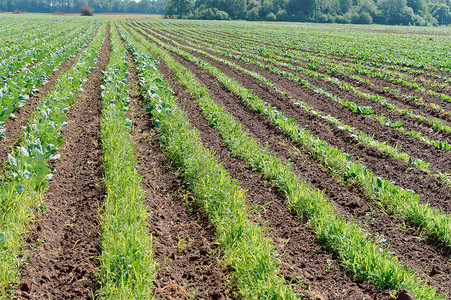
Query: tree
418,6
86,10
177,8
365,18
271,17
345,5
392,9
254,13
327,6
307,7
442,13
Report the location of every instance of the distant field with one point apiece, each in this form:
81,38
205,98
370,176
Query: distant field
184,159
132,16
119,15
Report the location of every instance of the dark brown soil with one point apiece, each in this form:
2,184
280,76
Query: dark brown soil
183,240
14,126
306,263
429,188
401,243
65,241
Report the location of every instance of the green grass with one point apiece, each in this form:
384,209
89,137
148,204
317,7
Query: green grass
127,269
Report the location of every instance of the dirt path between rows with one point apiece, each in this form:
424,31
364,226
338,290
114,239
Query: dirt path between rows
14,126
430,263
430,189
64,242
183,240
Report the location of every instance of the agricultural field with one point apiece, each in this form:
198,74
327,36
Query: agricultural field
183,159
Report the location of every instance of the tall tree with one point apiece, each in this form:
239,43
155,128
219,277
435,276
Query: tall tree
177,7
418,6
392,9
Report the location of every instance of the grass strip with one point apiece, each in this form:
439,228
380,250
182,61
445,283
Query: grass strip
127,268
24,183
252,256
358,253
401,202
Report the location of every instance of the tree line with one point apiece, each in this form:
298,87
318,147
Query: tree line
73,6
392,12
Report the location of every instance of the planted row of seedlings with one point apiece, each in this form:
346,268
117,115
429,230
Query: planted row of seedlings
321,61
319,65
359,135
28,173
127,269
18,88
44,42
349,68
393,50
305,201
397,200
440,142
20,34
437,163
444,204
245,248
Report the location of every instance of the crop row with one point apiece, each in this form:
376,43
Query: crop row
368,111
360,136
245,249
126,265
398,50
24,184
333,67
19,34
45,42
357,252
17,89
399,201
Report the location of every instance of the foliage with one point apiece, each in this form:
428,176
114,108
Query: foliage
73,6
393,12
86,10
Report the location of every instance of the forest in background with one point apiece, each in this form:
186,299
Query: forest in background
391,12
73,6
